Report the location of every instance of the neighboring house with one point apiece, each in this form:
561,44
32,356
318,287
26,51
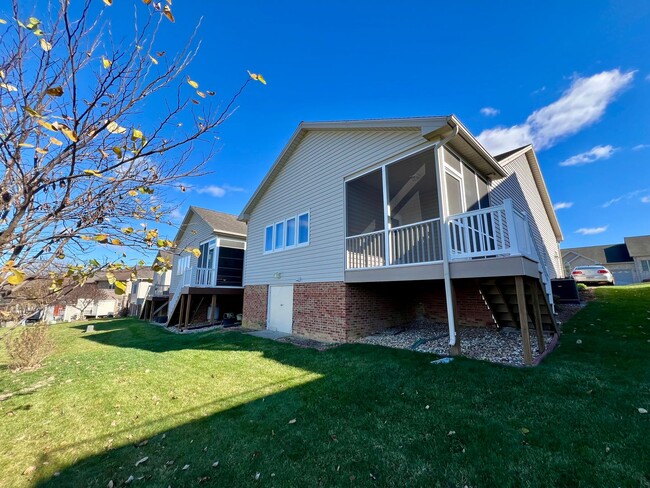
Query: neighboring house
361,225
629,262
139,291
95,299
205,287
157,299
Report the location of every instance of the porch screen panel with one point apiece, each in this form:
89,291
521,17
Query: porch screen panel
412,190
365,204
483,195
454,195
469,185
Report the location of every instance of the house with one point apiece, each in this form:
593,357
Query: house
138,291
96,298
362,225
157,299
629,261
206,278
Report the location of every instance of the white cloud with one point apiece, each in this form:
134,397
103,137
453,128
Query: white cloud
594,154
213,190
561,205
645,199
490,111
582,105
588,231
638,147
625,196
176,215
647,77
233,188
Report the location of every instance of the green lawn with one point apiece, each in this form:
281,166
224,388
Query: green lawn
364,415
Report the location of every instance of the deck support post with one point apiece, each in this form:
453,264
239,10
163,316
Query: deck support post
188,305
213,306
537,317
523,320
181,312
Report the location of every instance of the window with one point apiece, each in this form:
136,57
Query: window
645,265
206,259
268,239
303,229
182,263
279,236
287,234
290,240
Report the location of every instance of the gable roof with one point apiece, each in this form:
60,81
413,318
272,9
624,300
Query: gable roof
220,222
605,254
638,246
508,157
430,128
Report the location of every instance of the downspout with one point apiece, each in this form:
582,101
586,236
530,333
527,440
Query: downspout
451,316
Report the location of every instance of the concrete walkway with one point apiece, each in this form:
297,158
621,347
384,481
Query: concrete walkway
269,334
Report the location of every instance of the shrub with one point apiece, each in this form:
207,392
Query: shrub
581,287
28,347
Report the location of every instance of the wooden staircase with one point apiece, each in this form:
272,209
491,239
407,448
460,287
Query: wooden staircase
513,297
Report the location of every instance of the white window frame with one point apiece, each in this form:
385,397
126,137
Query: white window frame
182,264
295,233
645,265
285,246
272,227
298,243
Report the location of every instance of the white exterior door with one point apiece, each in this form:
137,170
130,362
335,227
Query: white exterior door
280,308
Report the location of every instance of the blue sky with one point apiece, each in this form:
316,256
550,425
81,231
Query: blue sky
571,77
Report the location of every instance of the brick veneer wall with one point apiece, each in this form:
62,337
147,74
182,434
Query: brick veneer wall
342,312
255,306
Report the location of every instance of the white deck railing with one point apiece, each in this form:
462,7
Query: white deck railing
416,243
199,277
408,244
366,250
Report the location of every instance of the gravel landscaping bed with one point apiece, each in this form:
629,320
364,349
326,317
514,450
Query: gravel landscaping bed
503,347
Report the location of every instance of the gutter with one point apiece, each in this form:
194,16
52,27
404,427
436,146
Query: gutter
451,316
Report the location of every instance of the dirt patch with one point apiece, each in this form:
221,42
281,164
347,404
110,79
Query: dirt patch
308,343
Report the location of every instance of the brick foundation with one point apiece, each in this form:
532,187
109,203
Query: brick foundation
255,306
341,312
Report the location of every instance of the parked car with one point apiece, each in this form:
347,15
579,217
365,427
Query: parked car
593,275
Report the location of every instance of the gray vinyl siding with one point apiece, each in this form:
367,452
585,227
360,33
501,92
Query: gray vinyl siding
196,232
520,186
313,180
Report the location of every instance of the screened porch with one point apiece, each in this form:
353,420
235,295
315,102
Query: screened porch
393,214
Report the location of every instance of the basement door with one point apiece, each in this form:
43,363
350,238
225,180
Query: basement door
280,308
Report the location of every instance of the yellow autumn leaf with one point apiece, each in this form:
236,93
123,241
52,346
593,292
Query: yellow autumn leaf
118,151
195,251
45,124
153,60
106,62
3,21
120,287
16,277
108,2
30,111
137,134
40,150
200,93
116,242
114,128
2,73
54,91
192,83
167,12
46,46
55,141
8,87
92,172
69,133
25,144
261,79
146,2
133,193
